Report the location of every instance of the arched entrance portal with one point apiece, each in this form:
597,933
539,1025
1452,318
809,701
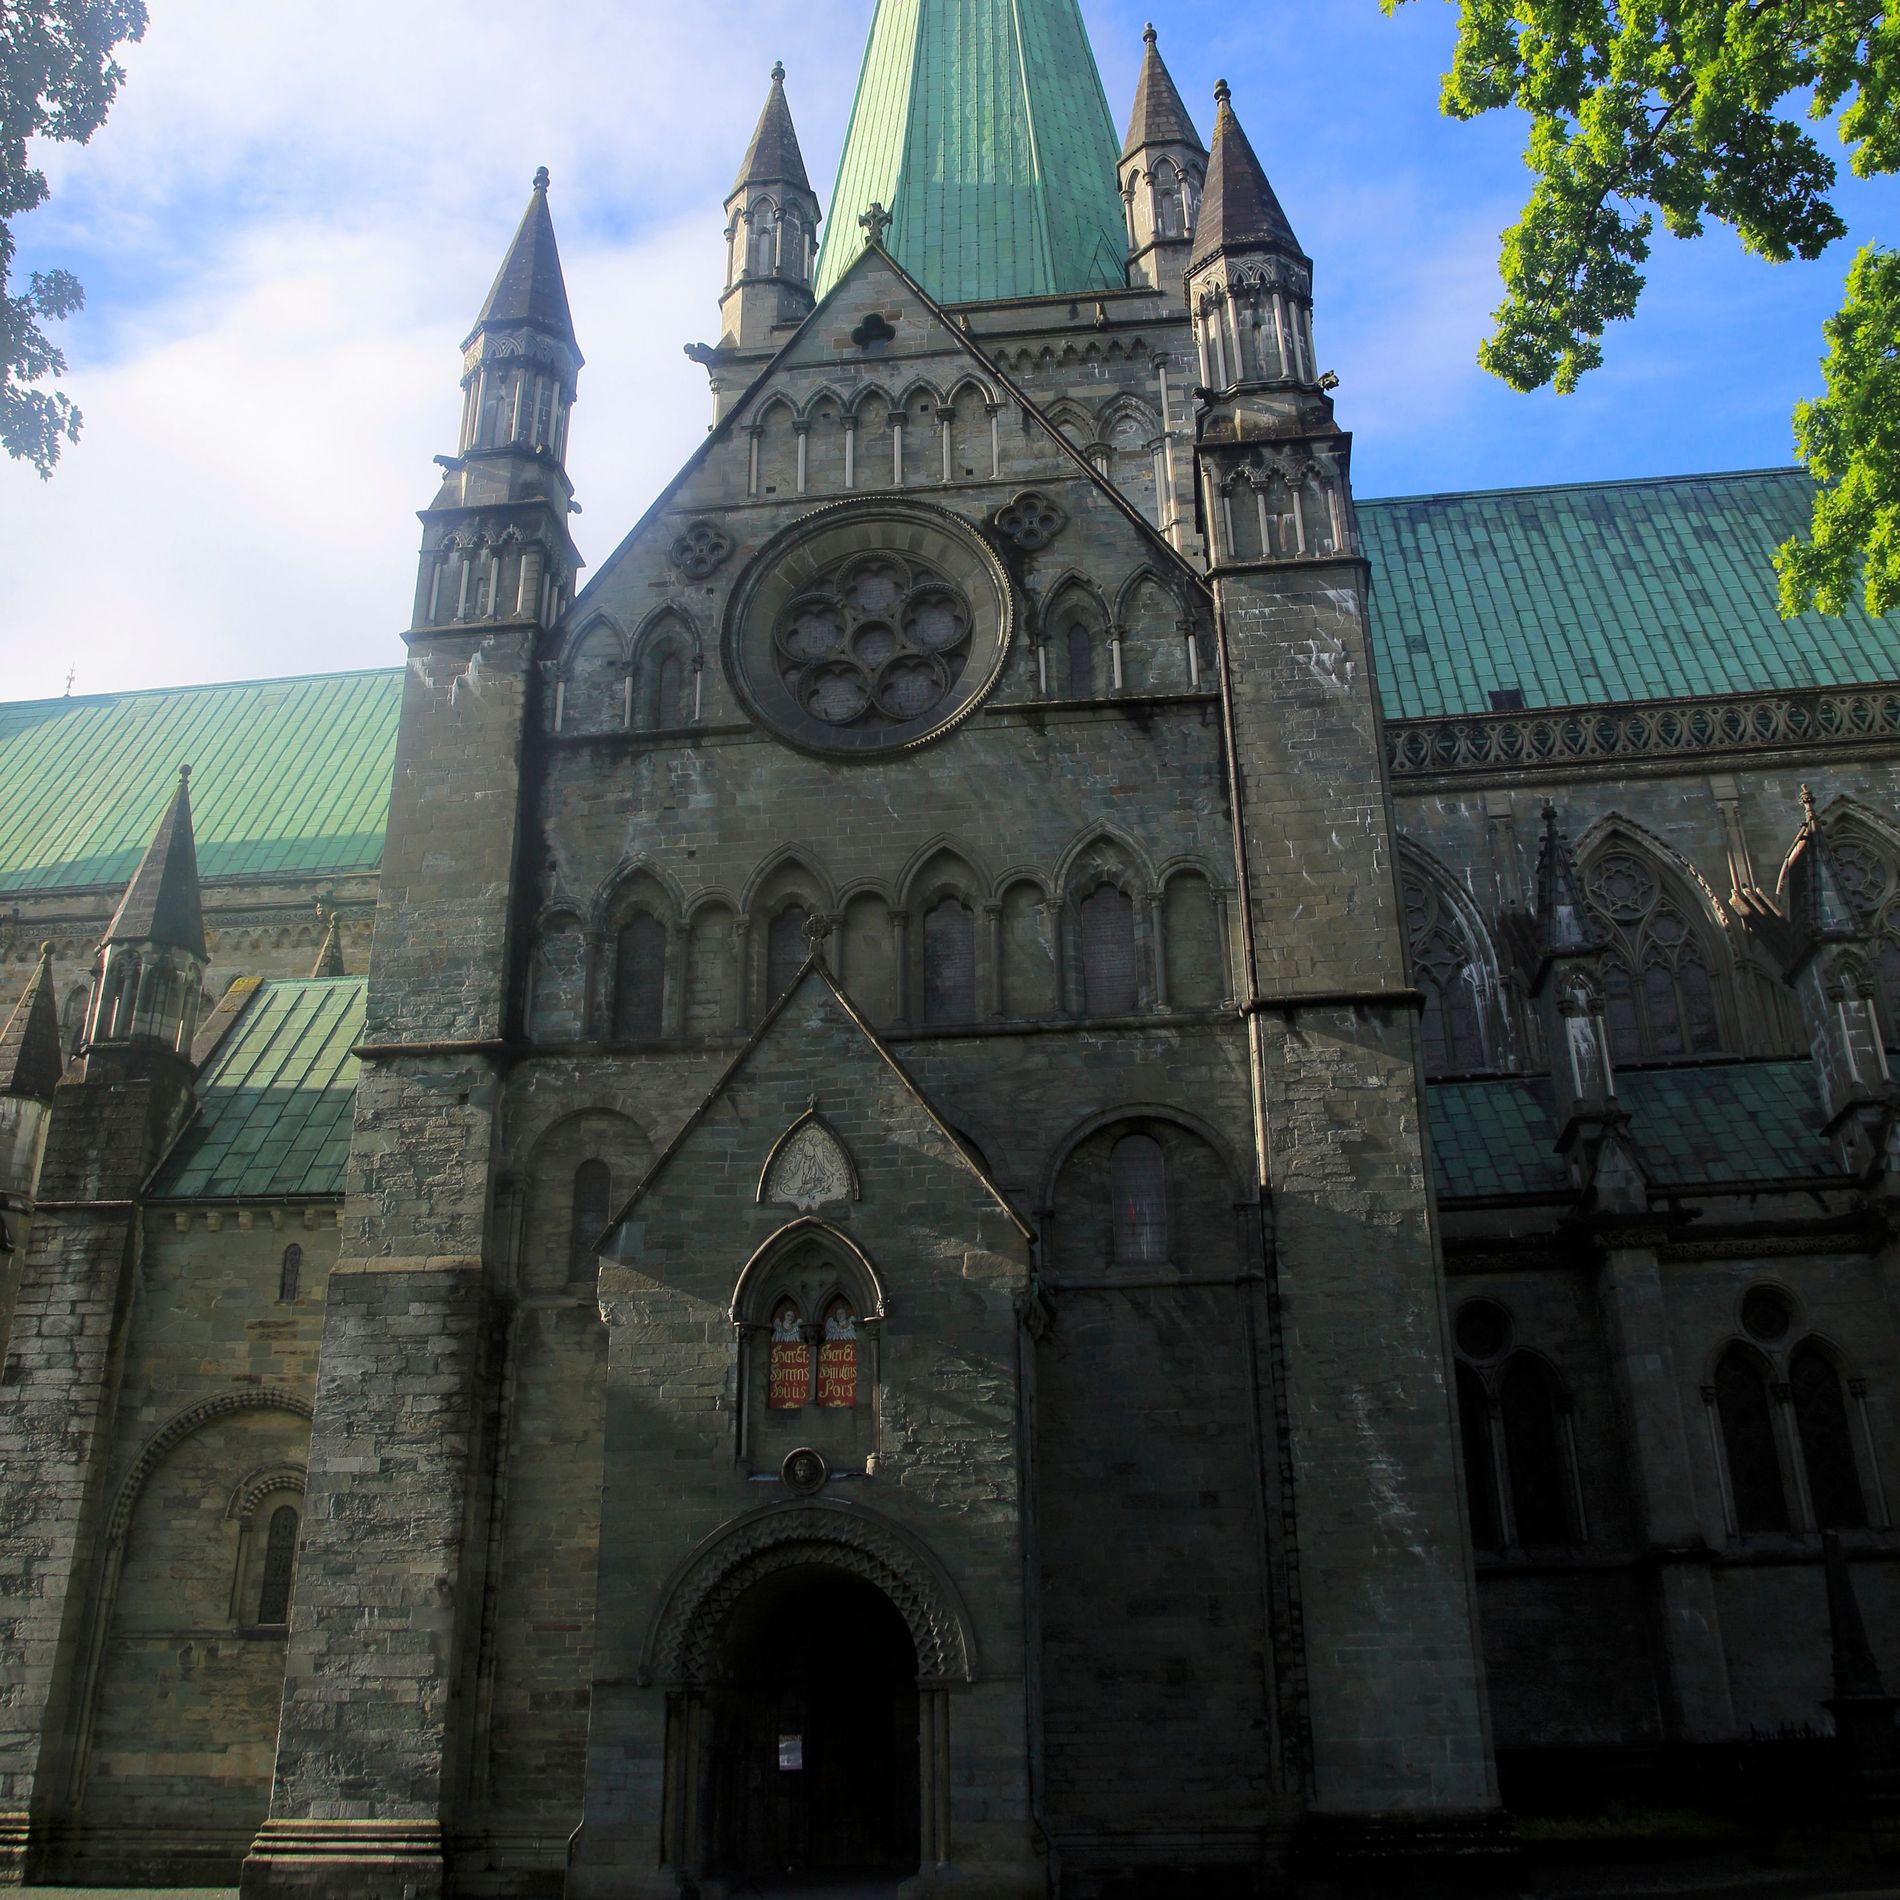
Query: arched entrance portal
814,1731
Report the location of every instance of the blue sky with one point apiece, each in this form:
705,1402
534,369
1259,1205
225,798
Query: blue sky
293,213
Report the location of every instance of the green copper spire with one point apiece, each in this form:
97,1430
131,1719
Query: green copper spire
981,127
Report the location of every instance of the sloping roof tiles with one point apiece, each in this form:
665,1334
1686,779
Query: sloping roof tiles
1716,1125
290,779
274,1104
1573,596
982,128
1601,592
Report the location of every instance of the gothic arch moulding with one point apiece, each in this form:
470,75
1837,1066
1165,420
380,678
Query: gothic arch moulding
682,1643
756,1271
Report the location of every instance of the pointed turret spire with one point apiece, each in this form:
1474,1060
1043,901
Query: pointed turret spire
529,290
162,905
1163,170
146,985
1818,904
31,1059
773,157
1562,921
495,541
330,952
1238,209
1159,116
771,233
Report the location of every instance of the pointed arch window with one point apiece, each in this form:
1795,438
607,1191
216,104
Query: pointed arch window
1447,975
1109,985
589,1211
1530,1413
1079,653
1827,1440
786,946
668,706
1870,879
1138,1182
1481,1471
949,962
1746,1416
789,1376
280,1568
1659,999
639,976
838,1357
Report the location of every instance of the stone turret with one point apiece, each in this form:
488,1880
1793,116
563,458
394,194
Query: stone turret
1567,990
1163,171
495,543
1332,1010
771,233
151,963
1830,968
1282,467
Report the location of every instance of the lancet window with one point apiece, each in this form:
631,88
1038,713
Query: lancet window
289,1272
280,1567
786,946
589,1210
949,962
1138,1183
1448,975
1109,982
1658,995
1871,883
1516,1438
639,976
1797,1453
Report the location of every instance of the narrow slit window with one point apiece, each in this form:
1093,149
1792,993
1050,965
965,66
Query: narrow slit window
949,963
1139,1183
589,1213
789,1377
280,1567
289,1272
1109,987
639,976
786,946
1748,1441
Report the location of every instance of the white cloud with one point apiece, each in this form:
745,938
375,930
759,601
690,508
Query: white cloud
289,223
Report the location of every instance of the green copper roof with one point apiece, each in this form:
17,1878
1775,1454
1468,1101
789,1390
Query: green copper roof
290,778
1715,1126
274,1102
1601,592
981,126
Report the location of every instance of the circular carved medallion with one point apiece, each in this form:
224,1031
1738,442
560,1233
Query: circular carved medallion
869,627
804,1472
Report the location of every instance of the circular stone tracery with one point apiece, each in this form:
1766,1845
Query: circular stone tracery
869,627
882,640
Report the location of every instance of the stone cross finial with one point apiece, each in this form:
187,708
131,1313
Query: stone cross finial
817,929
876,222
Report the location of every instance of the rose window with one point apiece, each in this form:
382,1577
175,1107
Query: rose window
869,627
883,641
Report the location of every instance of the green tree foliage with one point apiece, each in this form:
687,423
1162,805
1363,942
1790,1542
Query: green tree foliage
57,81
1691,110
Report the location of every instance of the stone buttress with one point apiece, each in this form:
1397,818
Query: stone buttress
389,1576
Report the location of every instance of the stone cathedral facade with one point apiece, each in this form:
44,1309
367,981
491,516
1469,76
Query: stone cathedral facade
1029,1155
